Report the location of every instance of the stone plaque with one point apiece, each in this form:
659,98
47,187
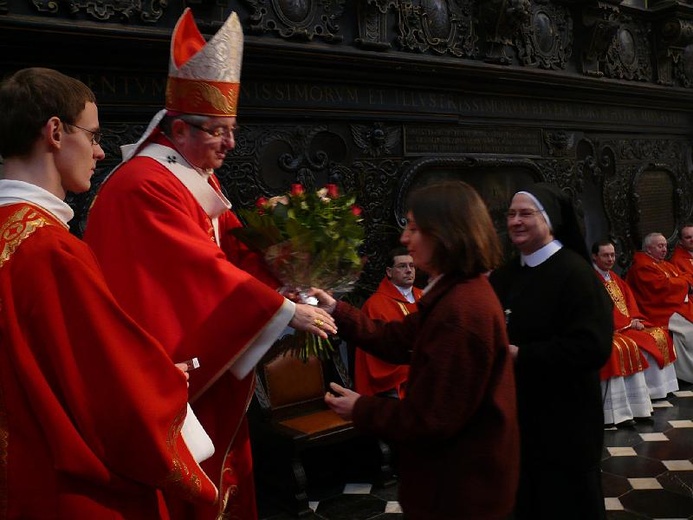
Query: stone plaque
656,200
437,140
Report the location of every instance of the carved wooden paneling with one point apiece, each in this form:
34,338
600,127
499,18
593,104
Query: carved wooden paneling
545,39
595,96
299,19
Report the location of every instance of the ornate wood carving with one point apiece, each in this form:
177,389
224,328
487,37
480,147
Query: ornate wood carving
545,40
601,23
629,56
500,20
299,19
147,11
376,139
674,48
441,26
372,21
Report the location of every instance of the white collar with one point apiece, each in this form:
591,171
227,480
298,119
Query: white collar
605,274
541,255
14,192
407,292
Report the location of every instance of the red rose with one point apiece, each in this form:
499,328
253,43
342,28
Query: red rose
332,191
356,210
296,190
261,202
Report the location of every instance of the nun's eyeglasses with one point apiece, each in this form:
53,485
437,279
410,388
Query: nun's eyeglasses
523,213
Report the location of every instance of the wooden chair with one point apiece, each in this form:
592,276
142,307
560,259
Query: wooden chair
289,420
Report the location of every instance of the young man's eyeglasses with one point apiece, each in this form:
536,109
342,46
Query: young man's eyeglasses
220,131
95,134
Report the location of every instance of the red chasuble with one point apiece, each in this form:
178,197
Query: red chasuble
626,358
88,428
659,288
157,248
683,261
371,375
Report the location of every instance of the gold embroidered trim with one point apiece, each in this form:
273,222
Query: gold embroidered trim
404,309
20,226
629,360
617,296
660,338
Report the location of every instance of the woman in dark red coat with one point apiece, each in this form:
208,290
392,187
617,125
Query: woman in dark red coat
456,429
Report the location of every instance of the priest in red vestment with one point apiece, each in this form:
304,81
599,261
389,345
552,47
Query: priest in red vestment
663,294
635,337
394,298
682,257
160,227
89,430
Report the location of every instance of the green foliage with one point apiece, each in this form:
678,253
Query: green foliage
308,238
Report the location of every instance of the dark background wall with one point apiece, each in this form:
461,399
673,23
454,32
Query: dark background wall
381,95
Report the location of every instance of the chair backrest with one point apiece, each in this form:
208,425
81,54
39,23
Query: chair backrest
290,382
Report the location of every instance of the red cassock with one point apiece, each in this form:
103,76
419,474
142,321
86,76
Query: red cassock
89,429
659,288
372,375
626,358
683,261
157,248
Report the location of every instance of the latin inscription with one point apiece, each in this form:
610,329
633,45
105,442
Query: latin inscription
433,140
149,89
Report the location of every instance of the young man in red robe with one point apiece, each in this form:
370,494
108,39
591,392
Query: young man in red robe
634,337
394,299
160,227
89,429
664,295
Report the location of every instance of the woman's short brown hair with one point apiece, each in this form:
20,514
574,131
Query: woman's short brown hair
454,216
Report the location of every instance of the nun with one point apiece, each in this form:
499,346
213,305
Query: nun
559,323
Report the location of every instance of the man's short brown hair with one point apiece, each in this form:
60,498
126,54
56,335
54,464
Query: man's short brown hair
29,98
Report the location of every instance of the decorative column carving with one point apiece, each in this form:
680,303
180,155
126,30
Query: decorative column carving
601,24
500,21
674,46
372,19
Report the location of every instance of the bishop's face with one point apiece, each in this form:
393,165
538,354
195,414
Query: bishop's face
205,145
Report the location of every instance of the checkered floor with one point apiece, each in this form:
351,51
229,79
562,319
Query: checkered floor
647,469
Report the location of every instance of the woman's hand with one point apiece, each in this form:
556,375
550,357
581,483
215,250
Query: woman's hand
342,401
325,300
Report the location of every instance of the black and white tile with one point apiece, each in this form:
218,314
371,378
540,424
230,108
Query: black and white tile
647,473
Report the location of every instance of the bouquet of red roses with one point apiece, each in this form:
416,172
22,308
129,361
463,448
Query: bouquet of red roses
308,239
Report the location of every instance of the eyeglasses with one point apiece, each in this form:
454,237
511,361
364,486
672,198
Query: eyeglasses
220,131
523,213
404,266
95,134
